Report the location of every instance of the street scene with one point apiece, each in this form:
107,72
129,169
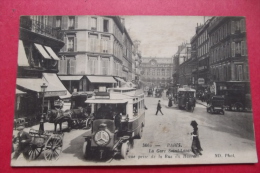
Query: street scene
132,90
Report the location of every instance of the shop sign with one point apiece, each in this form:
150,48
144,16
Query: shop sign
201,81
54,93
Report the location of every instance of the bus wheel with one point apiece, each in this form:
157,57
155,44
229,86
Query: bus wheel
124,150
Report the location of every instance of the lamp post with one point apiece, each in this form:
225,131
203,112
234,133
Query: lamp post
41,128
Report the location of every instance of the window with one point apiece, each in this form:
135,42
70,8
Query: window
105,44
70,43
232,27
71,66
93,23
58,21
243,25
105,66
238,25
233,49
238,48
71,22
243,48
93,42
239,72
158,72
106,25
93,65
163,72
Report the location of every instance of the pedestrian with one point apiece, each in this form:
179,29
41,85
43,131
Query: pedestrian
159,107
24,140
170,101
195,146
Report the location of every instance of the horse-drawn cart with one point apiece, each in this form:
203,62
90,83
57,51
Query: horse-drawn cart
47,142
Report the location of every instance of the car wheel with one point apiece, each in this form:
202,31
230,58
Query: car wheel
124,150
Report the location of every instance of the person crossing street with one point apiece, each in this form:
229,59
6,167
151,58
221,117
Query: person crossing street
159,107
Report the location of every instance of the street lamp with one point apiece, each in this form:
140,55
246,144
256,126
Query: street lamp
43,88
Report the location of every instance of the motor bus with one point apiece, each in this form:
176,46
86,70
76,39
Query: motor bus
118,119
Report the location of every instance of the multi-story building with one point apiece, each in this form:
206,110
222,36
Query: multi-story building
200,55
227,47
39,43
157,70
97,48
182,65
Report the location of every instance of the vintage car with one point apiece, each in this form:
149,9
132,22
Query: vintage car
186,98
216,105
119,118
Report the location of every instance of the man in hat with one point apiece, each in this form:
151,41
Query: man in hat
24,140
159,107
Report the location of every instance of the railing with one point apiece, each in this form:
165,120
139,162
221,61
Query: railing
41,28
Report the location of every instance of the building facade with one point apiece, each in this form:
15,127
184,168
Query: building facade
182,65
157,70
228,50
38,62
95,47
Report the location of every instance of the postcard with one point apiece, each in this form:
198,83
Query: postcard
132,90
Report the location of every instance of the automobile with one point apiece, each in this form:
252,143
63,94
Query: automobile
119,119
216,105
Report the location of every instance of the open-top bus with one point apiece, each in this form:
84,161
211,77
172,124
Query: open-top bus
118,119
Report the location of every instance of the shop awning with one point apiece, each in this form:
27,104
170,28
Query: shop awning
55,82
70,77
106,101
42,51
52,53
22,58
121,80
101,79
19,92
55,87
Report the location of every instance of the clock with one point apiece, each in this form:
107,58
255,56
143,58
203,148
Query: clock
153,63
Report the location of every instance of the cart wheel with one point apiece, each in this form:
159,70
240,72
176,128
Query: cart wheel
86,150
124,149
53,148
140,132
33,153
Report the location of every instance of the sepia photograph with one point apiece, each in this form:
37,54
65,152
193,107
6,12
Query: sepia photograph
132,90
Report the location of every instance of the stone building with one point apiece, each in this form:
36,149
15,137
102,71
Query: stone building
157,70
228,49
97,52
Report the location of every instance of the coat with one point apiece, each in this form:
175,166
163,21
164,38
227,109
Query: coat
23,146
159,106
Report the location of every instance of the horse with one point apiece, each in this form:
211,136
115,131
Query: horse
57,116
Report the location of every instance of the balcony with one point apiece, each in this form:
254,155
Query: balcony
41,28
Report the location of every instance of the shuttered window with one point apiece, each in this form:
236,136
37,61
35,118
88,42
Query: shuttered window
233,49
105,66
243,50
93,65
93,23
232,27
243,25
93,42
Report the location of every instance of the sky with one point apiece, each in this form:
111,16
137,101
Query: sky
161,35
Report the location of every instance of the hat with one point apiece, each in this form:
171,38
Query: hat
194,123
20,127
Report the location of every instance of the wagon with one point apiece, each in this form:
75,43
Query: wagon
48,143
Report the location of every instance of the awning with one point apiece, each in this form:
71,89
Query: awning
106,101
70,77
101,79
121,80
19,92
52,53
55,87
22,58
54,81
42,51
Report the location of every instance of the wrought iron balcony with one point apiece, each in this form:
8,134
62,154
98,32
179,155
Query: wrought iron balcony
41,28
